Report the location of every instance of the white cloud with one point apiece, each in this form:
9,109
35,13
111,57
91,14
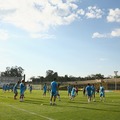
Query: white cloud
3,34
114,33
55,2
103,59
39,15
42,36
114,15
72,0
81,12
98,35
94,12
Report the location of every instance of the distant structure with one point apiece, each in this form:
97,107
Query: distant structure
109,84
9,80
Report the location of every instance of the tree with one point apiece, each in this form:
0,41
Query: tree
99,76
13,72
49,73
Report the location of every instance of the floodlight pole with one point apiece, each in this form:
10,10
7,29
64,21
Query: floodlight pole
115,72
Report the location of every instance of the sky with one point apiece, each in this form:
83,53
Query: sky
70,37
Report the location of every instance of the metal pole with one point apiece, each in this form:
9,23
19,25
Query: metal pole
115,84
115,79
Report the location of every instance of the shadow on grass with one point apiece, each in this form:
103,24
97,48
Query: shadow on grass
68,105
91,108
38,102
111,104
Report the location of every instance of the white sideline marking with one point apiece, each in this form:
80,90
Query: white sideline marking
29,112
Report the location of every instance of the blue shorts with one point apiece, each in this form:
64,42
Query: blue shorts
44,91
21,92
92,93
102,94
53,93
15,91
89,94
69,92
73,95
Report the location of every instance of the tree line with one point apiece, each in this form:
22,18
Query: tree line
50,75
14,71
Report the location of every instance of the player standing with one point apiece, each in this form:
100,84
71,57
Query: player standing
44,89
93,92
58,93
30,88
102,93
22,90
69,88
15,89
73,93
54,87
88,92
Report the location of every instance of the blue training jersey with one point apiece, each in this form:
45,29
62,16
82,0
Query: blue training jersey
45,87
88,90
22,87
69,88
73,91
93,88
15,86
101,89
54,86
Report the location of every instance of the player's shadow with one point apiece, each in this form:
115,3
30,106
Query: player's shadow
38,102
112,104
90,108
109,110
77,102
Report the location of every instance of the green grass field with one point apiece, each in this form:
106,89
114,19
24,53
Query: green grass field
36,107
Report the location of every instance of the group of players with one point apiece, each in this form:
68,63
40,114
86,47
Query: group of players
89,91
22,89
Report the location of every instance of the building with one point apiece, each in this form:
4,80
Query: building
9,80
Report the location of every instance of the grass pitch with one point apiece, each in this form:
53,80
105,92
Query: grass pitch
37,107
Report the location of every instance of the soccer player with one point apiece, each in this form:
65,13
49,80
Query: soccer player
93,92
30,88
88,92
58,94
15,89
7,87
69,88
102,93
73,93
44,89
76,90
22,90
4,88
54,87
84,91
